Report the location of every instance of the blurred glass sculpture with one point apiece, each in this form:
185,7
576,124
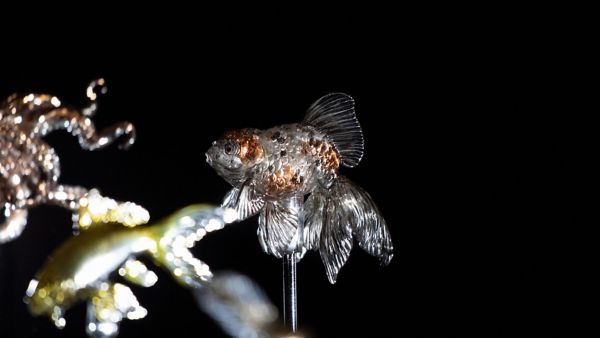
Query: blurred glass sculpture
110,241
29,167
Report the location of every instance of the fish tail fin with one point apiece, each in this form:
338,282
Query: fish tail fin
331,225
334,115
368,226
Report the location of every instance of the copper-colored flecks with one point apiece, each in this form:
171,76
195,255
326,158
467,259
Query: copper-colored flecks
324,152
251,150
284,180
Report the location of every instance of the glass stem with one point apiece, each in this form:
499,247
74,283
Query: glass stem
290,296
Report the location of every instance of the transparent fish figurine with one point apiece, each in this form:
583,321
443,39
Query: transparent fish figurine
290,175
79,269
29,167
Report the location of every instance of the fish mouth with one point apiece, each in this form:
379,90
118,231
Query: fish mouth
208,159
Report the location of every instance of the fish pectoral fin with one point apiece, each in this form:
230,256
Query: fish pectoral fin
278,229
333,115
108,306
245,201
136,272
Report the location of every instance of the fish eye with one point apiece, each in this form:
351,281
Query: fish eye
230,148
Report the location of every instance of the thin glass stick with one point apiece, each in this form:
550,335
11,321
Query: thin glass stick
290,296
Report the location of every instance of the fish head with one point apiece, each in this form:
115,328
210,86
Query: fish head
235,154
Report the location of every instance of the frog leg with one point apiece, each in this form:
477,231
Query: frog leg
81,126
96,209
29,107
57,317
67,196
107,307
183,231
183,266
136,272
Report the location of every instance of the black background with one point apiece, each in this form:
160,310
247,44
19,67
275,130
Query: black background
466,154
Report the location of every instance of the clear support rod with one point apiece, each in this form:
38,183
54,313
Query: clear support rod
290,295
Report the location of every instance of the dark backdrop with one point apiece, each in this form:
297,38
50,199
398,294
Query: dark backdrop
459,156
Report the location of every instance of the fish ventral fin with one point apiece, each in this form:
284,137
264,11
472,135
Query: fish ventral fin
333,115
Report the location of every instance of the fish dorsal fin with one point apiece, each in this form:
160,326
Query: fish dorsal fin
333,115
